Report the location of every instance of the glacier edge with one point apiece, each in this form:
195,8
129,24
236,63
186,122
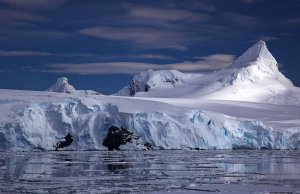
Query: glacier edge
41,125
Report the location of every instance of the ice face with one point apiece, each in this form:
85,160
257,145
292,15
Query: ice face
42,125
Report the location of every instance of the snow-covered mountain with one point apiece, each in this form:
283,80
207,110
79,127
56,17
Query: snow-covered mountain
149,80
249,104
62,86
254,77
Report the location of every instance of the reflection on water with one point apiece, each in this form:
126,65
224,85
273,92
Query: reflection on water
239,171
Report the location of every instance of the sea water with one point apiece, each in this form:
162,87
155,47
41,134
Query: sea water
179,171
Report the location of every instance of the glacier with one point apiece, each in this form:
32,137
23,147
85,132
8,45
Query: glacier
248,105
40,126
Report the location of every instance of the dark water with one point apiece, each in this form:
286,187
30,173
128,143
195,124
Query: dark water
150,171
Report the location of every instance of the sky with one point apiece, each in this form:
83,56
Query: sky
100,45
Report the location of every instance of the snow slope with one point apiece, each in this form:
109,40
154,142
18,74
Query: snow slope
149,80
231,108
253,77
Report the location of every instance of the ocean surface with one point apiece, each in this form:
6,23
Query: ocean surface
179,171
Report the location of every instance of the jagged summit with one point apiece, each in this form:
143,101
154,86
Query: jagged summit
258,52
257,63
62,86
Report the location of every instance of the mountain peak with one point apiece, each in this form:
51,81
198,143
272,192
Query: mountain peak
256,64
258,52
62,80
149,80
62,85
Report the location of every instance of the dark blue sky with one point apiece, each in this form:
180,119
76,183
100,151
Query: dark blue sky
99,45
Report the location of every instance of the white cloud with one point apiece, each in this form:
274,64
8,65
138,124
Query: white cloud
4,53
18,12
291,21
139,35
164,14
267,38
34,4
149,27
251,1
206,63
5,70
173,47
10,15
239,19
22,53
144,37
192,5
102,68
151,56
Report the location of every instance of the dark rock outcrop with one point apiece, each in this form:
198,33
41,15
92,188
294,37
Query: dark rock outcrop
66,141
116,137
148,146
121,136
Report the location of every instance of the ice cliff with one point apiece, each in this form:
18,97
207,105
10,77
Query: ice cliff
40,126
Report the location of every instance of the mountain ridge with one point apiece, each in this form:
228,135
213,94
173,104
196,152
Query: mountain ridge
254,77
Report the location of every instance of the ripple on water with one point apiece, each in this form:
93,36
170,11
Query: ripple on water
179,171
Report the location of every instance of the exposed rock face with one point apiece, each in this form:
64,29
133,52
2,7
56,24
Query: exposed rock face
116,137
121,136
66,141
